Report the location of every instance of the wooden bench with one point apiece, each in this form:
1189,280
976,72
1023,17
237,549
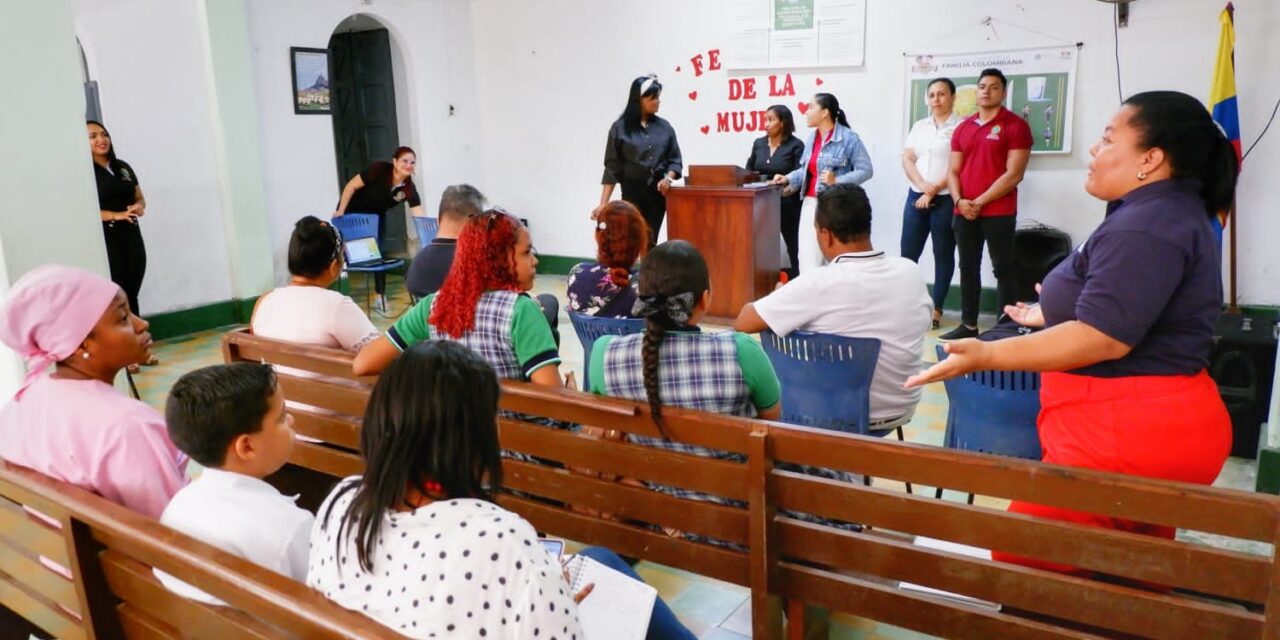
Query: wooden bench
1218,593
109,592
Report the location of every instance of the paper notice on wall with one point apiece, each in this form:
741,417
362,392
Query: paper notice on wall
789,49
796,33
749,39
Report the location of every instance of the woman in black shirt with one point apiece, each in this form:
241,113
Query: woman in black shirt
379,187
642,155
778,153
120,204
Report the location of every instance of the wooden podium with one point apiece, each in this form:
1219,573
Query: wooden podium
736,230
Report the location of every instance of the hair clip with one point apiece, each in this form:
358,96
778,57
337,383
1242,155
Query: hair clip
601,225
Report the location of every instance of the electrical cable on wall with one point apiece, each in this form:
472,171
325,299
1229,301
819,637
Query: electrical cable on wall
1264,131
1115,29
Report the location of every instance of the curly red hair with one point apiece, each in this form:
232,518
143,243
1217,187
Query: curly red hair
485,261
623,239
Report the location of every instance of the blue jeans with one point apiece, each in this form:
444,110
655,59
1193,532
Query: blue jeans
663,624
919,225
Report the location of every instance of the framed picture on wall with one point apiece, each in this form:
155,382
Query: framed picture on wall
310,80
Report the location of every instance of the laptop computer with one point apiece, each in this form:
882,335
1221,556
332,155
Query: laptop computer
364,252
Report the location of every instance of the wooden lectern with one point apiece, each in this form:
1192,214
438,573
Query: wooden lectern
736,230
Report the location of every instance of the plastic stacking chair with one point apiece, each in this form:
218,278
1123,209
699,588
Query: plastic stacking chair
993,412
826,379
589,328
826,382
427,229
354,226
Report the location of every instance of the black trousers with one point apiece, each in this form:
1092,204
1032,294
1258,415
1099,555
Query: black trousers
127,258
997,233
651,203
790,223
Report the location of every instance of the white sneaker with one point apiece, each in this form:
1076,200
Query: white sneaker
380,303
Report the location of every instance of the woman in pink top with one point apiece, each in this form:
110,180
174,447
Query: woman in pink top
307,311
71,423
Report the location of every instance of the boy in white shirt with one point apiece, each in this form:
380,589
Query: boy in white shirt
862,293
232,420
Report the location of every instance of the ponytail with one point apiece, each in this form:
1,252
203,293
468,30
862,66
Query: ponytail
832,105
1222,170
1194,145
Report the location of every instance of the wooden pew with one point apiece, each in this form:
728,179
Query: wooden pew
109,552
830,567
1231,593
547,494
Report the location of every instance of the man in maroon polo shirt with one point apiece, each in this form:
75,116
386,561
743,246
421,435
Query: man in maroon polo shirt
989,153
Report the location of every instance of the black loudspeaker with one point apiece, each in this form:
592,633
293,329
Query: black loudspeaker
1243,364
1036,251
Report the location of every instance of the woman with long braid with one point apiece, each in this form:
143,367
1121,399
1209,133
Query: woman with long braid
674,363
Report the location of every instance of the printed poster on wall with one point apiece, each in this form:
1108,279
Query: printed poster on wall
1041,88
767,34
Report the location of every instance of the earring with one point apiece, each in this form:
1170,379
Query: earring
85,355
1142,175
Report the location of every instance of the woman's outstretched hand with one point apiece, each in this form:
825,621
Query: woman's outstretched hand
963,356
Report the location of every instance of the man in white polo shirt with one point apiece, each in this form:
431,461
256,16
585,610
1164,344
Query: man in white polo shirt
862,293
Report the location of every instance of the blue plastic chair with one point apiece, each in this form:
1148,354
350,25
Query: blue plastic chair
993,412
427,229
826,379
354,226
589,328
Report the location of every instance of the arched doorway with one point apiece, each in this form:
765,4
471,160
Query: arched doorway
363,103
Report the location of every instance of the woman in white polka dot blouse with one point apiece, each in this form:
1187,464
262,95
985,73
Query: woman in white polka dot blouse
416,543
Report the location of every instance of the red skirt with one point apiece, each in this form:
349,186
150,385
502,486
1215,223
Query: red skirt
1168,427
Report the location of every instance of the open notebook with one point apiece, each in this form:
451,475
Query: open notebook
618,608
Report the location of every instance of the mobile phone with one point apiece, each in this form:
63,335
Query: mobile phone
553,546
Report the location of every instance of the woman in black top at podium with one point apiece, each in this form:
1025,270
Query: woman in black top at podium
776,153
642,155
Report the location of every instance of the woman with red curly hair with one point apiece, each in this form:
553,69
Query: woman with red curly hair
607,288
482,305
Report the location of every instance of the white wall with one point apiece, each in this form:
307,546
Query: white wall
431,59
552,75
148,60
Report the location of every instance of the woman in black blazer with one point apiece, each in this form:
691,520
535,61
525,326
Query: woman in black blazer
776,153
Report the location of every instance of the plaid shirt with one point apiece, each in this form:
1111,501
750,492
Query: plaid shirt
695,371
491,335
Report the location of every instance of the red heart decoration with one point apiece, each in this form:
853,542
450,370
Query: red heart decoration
693,95
803,107
819,81
677,69
706,128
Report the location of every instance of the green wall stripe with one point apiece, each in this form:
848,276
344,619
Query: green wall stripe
558,265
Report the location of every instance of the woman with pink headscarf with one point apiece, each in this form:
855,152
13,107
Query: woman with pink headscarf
70,423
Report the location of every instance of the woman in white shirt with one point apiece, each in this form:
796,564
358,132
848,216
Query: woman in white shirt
417,543
929,207
307,311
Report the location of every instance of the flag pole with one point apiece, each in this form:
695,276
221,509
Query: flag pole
1232,299
1231,222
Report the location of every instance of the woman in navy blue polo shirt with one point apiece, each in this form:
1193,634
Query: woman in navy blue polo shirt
1131,314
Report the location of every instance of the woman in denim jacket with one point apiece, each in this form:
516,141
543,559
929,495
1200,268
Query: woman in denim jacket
835,154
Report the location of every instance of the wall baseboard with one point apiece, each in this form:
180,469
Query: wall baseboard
181,322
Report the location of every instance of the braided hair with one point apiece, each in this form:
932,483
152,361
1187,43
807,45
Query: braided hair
622,237
673,278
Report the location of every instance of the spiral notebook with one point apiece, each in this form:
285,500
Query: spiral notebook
618,608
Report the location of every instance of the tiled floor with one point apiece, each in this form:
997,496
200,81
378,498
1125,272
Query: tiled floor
714,610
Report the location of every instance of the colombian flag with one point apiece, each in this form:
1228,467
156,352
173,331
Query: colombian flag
1222,96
